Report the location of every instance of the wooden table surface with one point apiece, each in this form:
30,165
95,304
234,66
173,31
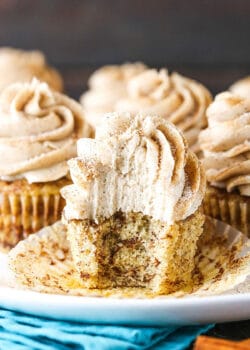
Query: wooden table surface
216,79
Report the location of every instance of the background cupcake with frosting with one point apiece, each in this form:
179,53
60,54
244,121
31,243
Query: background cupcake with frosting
107,85
174,97
21,66
38,132
226,151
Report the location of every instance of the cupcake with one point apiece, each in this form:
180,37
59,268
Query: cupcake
133,211
38,132
21,66
241,87
106,86
226,147
180,100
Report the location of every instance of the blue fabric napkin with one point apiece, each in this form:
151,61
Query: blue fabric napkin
23,332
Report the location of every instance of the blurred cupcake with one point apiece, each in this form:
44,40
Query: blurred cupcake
241,87
180,100
226,147
38,132
106,86
21,66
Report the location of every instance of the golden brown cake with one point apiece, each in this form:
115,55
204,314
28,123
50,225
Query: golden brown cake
107,85
132,212
174,97
21,66
38,132
226,151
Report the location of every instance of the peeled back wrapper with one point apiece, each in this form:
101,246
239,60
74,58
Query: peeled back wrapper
43,263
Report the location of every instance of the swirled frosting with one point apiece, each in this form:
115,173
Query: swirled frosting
226,143
38,132
136,163
241,87
180,100
21,66
107,85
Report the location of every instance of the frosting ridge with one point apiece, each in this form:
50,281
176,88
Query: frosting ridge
241,87
226,143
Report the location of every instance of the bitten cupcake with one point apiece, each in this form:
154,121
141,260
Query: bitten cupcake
133,211
38,132
180,100
226,147
241,87
21,66
107,85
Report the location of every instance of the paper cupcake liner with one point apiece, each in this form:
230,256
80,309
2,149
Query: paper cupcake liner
43,263
230,208
26,208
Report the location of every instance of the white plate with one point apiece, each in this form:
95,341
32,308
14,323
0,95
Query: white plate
146,312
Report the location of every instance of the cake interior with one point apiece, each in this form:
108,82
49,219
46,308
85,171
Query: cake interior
134,250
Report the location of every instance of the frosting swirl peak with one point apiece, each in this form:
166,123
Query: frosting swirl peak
226,143
241,87
136,163
180,100
38,132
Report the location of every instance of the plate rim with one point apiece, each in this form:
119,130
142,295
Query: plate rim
156,312
185,300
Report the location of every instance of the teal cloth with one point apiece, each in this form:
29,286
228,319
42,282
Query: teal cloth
23,332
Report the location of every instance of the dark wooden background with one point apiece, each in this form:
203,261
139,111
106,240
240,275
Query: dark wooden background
206,39
95,32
